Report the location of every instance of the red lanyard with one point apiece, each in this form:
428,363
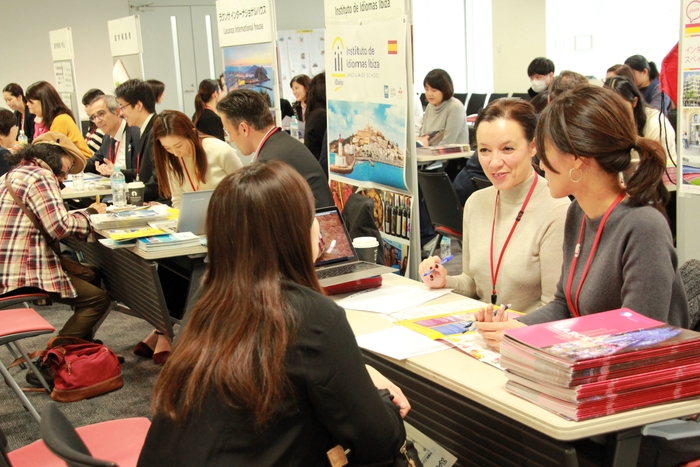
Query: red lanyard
114,152
573,306
494,274
184,164
262,143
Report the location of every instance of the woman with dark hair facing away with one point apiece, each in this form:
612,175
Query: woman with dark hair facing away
620,70
44,102
205,118
507,260
300,86
94,136
646,77
15,100
444,114
618,250
158,88
315,125
650,122
8,138
267,370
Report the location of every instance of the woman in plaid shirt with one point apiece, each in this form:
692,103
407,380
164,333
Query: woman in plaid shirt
27,263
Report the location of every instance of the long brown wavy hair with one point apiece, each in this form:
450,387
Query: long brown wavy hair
172,122
259,238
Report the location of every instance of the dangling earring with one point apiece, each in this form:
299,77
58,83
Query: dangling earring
572,178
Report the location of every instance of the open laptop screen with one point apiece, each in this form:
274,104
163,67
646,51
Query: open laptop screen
337,245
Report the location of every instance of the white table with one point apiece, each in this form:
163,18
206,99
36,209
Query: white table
452,371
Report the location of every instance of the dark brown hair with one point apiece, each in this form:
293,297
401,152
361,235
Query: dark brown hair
510,108
595,122
246,105
565,81
439,79
15,90
207,88
237,337
172,122
158,88
302,80
316,94
628,90
7,121
51,103
622,70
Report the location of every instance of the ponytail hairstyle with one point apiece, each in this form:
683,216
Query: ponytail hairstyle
594,122
15,90
168,123
207,88
639,63
628,90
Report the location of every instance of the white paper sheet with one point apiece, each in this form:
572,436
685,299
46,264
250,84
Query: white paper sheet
391,298
399,343
432,310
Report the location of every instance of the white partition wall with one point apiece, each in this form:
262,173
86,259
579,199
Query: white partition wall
65,80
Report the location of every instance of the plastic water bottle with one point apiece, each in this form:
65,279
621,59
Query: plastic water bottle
22,140
445,247
294,127
118,183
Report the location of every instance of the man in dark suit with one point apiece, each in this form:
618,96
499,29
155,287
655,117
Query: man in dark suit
138,106
120,145
249,123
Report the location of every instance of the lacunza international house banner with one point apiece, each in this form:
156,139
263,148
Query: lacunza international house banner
366,93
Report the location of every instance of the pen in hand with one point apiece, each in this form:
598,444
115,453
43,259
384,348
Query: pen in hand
470,327
445,260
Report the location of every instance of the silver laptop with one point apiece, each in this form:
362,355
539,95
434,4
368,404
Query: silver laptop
339,263
193,214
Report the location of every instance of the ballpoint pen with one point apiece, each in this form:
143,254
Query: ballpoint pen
446,259
470,327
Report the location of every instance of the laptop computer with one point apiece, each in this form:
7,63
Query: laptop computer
339,263
193,214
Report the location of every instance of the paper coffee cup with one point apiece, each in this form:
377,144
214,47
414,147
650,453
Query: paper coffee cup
135,191
366,248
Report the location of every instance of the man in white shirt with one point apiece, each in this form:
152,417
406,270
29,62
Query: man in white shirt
120,145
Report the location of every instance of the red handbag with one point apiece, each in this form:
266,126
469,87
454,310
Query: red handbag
83,370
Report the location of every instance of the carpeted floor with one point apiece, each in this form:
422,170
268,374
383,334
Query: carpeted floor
120,332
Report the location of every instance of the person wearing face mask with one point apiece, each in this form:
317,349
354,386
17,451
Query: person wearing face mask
540,71
514,230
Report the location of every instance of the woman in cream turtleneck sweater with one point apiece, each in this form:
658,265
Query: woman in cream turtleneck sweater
523,256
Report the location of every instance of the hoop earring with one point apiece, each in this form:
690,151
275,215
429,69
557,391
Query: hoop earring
572,178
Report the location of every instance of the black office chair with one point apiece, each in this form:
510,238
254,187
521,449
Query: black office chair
461,96
480,183
497,95
521,95
476,103
443,205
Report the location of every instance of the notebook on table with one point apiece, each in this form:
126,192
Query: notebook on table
193,214
339,263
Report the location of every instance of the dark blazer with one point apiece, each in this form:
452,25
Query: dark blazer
314,129
210,124
147,173
131,154
282,147
28,125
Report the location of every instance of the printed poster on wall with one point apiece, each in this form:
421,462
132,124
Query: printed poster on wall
366,99
689,90
251,66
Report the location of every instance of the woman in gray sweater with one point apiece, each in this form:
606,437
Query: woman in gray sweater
618,250
444,113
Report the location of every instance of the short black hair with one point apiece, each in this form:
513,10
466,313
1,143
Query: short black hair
134,91
7,121
90,96
245,105
439,79
158,88
540,66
